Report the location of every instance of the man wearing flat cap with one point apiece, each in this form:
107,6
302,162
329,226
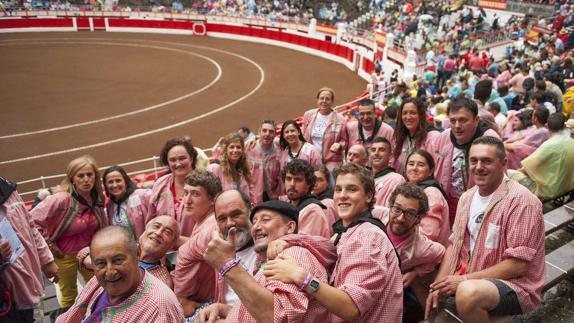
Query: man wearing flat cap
262,300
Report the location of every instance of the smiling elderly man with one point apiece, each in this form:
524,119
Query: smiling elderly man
262,300
358,154
159,237
121,291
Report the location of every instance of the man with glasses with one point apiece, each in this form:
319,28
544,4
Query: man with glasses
368,126
263,158
419,255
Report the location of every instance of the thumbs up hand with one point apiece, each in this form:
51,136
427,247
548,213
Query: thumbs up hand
219,250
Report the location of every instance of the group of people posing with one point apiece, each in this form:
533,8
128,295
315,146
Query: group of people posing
332,221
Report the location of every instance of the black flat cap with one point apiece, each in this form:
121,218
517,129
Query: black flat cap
279,206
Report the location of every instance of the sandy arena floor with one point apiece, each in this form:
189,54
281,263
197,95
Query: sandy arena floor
120,96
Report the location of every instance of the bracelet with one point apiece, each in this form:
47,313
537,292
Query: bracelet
228,265
306,281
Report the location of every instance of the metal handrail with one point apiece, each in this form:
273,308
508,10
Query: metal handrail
156,169
43,179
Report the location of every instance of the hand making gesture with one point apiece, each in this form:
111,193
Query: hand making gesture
220,251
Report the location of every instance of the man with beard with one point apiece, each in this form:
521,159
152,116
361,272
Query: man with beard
193,278
262,300
160,236
450,150
365,284
386,180
263,157
121,291
299,179
494,265
232,210
419,255
368,127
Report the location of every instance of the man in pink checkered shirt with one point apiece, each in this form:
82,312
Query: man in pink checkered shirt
262,300
494,264
366,283
121,291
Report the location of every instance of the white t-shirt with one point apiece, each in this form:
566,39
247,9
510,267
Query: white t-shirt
430,58
120,219
318,130
477,211
500,120
367,134
248,257
457,182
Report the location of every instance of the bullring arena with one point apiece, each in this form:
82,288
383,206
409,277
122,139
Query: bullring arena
118,85
120,96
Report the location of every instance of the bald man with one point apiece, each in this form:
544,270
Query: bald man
121,290
358,155
159,237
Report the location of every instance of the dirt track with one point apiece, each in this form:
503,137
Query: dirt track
52,80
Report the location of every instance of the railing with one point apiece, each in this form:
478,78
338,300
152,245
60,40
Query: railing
525,7
45,180
156,165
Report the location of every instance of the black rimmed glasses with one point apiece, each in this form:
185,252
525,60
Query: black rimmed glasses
409,214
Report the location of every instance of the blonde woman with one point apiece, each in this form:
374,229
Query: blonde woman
233,169
69,219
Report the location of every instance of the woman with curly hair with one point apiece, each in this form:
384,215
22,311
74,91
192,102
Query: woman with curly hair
167,193
233,169
69,219
412,132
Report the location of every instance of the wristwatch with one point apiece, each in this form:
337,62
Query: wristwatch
313,286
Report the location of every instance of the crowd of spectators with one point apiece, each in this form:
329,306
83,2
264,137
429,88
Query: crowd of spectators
431,191
326,12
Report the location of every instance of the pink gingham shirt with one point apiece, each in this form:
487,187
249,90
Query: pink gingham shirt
264,167
400,163
22,278
313,220
152,301
136,207
336,132
367,269
418,253
289,303
385,186
441,150
516,214
354,137
163,203
436,223
193,277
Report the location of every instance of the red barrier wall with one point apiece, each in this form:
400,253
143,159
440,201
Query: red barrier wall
36,23
160,24
259,32
324,46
